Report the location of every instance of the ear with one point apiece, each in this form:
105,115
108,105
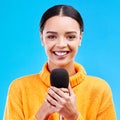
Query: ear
41,37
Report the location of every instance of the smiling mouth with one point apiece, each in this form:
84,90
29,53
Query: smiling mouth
61,53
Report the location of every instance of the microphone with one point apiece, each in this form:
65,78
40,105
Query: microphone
59,78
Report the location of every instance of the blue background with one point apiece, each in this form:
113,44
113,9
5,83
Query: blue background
21,52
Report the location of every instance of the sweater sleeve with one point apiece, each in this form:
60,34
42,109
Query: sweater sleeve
107,110
14,106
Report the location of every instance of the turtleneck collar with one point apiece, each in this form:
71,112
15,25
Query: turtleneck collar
75,79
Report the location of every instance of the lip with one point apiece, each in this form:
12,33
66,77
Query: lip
61,53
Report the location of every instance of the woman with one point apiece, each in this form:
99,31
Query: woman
33,98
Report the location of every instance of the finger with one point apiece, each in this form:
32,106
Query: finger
51,100
70,90
53,103
65,90
61,92
55,94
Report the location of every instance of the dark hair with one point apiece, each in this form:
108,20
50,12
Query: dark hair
62,10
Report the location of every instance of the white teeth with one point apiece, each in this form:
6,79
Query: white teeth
60,53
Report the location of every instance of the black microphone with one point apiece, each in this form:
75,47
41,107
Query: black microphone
59,78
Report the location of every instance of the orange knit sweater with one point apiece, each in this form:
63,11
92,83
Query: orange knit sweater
93,96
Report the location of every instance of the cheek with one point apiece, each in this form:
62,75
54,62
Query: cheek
48,48
73,49
74,44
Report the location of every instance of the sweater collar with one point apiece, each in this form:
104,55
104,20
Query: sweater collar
74,79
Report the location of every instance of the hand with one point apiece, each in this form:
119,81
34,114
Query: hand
44,111
47,107
63,101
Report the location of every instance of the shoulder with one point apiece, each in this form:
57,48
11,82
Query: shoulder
96,80
98,84
24,81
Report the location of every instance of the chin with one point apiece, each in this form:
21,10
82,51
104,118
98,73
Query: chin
61,64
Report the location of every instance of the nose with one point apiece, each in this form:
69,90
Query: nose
61,42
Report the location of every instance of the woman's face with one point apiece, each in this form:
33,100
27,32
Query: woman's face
61,37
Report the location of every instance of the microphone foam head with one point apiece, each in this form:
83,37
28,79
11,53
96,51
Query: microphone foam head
59,78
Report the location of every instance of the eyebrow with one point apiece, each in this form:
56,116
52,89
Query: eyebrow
51,32
66,32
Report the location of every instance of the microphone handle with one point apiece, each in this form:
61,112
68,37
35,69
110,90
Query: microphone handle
61,118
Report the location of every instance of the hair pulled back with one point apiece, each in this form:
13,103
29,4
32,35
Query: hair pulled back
62,10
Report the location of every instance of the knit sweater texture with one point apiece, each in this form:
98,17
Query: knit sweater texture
93,96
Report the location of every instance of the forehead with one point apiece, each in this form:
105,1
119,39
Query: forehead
61,22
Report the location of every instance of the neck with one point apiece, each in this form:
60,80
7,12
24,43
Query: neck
69,67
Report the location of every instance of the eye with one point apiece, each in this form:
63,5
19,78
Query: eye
51,37
71,37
